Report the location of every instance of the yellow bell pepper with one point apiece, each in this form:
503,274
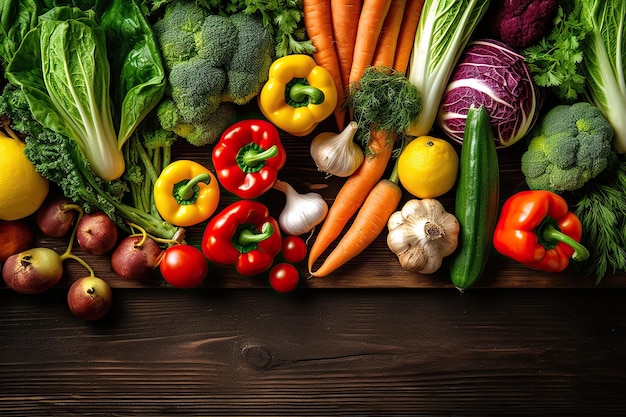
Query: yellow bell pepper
298,94
186,193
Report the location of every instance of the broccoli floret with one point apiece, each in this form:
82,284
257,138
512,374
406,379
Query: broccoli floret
175,31
571,145
248,68
170,118
196,88
204,132
158,138
216,41
210,130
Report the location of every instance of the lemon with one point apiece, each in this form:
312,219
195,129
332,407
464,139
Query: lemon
22,188
428,167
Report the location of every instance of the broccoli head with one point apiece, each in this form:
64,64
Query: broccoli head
248,68
571,145
211,59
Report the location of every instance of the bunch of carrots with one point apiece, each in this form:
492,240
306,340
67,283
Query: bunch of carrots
351,35
365,45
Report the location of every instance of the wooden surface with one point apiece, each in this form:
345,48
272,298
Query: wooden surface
370,340
416,352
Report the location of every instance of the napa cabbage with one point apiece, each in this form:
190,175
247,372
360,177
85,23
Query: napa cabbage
66,70
443,31
604,62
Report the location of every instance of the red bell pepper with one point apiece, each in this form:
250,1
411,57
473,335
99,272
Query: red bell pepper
243,235
537,229
247,158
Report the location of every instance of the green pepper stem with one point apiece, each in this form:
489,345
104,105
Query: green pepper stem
248,237
551,233
299,92
252,157
186,192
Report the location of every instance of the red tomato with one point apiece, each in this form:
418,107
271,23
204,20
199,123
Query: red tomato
294,249
284,277
184,266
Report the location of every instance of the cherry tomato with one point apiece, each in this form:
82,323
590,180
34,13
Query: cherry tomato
184,266
294,249
284,277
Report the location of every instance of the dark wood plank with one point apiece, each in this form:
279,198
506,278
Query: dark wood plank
326,352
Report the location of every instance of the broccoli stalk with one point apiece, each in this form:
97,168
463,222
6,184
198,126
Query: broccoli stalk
147,154
60,160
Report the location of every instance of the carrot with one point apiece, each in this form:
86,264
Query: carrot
388,39
371,220
345,15
370,24
386,102
406,39
352,194
318,24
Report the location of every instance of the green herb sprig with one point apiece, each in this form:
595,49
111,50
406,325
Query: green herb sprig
555,61
383,98
601,208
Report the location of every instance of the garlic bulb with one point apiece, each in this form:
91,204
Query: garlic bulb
337,153
422,234
302,212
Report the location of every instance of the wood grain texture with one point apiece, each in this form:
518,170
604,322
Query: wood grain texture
430,352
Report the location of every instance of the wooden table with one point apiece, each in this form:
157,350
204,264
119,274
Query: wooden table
371,340
252,352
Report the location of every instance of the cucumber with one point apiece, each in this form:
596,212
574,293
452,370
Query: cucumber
477,199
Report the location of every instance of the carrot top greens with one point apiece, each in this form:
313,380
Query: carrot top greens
383,98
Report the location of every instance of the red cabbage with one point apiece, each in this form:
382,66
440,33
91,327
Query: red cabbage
491,74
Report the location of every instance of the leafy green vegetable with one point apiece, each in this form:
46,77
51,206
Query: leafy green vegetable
604,61
64,68
60,160
555,60
16,19
444,29
585,54
135,62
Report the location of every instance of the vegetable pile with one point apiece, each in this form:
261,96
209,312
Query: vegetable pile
106,99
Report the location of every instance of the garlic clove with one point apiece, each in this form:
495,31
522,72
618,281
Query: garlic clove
337,153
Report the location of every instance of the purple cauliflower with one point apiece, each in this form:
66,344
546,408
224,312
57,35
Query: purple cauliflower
521,23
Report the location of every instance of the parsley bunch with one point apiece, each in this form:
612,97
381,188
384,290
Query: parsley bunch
555,61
